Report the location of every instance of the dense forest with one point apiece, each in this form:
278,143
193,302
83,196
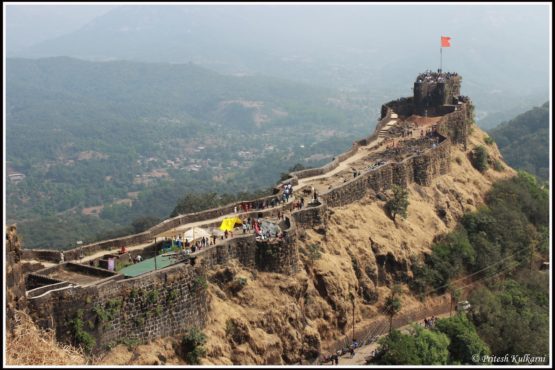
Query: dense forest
93,147
524,141
492,259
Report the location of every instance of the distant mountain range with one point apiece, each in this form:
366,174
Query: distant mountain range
524,141
372,49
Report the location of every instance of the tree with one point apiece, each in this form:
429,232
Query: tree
420,347
455,296
465,344
192,346
399,203
479,158
391,307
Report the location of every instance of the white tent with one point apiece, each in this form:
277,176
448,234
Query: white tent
195,233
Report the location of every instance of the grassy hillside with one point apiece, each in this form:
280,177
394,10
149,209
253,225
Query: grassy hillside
104,143
524,141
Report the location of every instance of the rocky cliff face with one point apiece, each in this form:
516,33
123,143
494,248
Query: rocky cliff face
15,280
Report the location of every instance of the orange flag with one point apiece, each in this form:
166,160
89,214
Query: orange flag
445,41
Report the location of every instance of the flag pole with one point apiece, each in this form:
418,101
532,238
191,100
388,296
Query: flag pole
440,58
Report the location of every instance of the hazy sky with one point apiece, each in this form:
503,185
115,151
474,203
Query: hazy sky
29,24
501,49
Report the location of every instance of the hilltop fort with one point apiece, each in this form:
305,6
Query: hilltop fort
85,302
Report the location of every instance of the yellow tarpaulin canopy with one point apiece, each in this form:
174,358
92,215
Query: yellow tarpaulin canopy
228,224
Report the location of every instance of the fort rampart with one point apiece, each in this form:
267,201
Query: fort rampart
420,169
158,304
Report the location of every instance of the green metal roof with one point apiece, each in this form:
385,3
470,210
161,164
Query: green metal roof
148,265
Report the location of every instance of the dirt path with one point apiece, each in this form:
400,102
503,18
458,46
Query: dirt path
361,153
363,352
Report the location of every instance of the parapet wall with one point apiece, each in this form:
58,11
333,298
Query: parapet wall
148,235
34,281
253,253
310,216
402,106
456,124
42,255
163,303
420,169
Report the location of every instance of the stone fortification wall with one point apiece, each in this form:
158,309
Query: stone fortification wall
148,236
456,125
89,249
309,216
279,255
163,303
420,169
297,175
42,255
402,106
46,288
435,93
37,280
253,254
75,267
242,248
206,215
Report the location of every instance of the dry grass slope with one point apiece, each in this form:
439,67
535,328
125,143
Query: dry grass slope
32,346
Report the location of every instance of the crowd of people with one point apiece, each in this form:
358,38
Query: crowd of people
429,76
287,192
334,357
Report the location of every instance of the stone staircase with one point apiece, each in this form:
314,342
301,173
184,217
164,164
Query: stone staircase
383,132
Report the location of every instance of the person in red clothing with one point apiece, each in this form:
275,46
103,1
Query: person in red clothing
123,250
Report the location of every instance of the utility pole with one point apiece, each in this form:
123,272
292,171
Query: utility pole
155,257
352,297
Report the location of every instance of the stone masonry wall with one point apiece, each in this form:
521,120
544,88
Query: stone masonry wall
159,304
310,216
42,255
455,125
420,169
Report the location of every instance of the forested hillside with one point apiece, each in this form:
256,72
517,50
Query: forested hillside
524,141
94,146
492,259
